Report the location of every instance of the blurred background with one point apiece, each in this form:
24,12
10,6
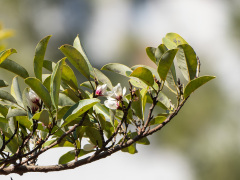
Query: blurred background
203,141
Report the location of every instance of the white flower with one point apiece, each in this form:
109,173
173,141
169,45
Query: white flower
117,92
101,90
111,103
33,100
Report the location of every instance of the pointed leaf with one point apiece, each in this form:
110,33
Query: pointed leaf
77,44
7,96
161,49
40,90
78,109
16,112
55,82
117,68
15,91
71,94
164,101
171,76
143,74
157,120
151,53
3,83
195,84
165,63
42,116
172,40
76,59
69,77
49,65
102,78
70,156
187,61
153,70
94,135
61,112
3,110
47,81
15,68
4,55
24,121
137,104
39,57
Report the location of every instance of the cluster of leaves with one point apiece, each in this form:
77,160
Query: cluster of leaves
67,112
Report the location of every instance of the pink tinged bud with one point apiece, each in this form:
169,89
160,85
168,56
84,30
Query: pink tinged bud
101,90
33,101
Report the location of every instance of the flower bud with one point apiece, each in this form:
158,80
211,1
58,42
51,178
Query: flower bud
33,101
101,90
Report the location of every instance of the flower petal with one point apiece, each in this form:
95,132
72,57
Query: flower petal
111,103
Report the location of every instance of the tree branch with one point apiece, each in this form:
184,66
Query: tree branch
71,165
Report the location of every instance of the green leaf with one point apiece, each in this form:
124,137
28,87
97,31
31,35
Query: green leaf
153,70
144,99
15,68
172,40
165,63
24,121
61,112
118,68
39,57
171,78
42,116
78,109
4,55
47,81
36,85
3,110
69,77
7,96
76,59
88,84
102,78
143,141
63,143
130,149
138,83
3,83
77,44
99,108
55,82
71,94
160,50
151,53
143,74
187,61
164,101
94,135
49,65
70,155
16,112
157,120
15,91
195,84
64,100
137,104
